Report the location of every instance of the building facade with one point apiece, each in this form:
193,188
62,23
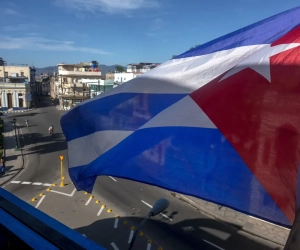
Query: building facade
133,70
43,84
141,67
125,77
69,87
17,85
110,76
97,87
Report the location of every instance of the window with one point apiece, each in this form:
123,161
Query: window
6,74
22,73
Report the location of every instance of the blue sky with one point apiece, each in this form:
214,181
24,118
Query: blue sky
48,32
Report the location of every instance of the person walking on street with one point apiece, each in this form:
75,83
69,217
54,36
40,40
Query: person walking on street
2,164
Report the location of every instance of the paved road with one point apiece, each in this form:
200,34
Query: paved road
41,152
181,227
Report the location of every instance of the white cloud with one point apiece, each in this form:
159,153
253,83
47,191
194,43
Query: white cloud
19,27
157,24
40,43
108,6
11,12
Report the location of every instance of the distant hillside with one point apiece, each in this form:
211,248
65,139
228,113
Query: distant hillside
51,69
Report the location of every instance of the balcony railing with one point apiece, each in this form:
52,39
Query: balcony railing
5,85
78,73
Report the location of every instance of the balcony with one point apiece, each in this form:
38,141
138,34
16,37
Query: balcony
79,73
5,85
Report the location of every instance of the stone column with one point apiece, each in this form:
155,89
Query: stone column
24,100
4,99
16,98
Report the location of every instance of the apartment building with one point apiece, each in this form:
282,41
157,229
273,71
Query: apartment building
69,86
133,70
17,86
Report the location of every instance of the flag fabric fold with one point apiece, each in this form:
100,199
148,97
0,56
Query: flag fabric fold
220,122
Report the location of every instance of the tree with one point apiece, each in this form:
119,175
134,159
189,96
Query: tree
119,68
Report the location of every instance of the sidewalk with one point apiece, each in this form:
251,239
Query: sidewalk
14,161
245,222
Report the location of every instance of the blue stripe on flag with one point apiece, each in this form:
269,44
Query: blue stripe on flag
123,111
197,161
263,32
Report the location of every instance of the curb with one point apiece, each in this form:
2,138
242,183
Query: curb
16,111
237,225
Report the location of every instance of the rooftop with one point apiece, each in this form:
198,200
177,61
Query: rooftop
80,64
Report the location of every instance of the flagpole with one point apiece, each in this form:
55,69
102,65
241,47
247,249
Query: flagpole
293,241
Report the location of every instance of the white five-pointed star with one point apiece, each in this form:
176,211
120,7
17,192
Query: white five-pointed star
260,60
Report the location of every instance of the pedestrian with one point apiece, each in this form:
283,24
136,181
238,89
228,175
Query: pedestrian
2,164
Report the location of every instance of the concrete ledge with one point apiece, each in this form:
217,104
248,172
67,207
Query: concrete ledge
16,111
249,224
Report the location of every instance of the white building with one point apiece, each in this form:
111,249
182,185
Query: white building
16,86
133,71
97,87
125,77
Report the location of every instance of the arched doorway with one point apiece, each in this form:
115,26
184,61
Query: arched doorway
20,100
9,100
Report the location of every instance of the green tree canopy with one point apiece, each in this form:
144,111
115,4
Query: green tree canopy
119,68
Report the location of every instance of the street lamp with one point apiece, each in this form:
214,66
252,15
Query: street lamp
159,206
14,123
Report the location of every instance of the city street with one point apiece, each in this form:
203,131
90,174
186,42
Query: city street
112,212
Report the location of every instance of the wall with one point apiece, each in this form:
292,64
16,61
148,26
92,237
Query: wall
15,69
110,76
125,77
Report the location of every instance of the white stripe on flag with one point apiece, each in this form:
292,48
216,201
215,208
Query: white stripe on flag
184,75
85,149
184,113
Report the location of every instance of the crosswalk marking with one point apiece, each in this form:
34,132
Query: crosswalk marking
32,183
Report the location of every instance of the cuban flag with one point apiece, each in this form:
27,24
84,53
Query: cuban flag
220,122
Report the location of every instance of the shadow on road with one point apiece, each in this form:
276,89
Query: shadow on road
192,232
22,116
37,143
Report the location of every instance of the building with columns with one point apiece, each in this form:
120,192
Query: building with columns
17,83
